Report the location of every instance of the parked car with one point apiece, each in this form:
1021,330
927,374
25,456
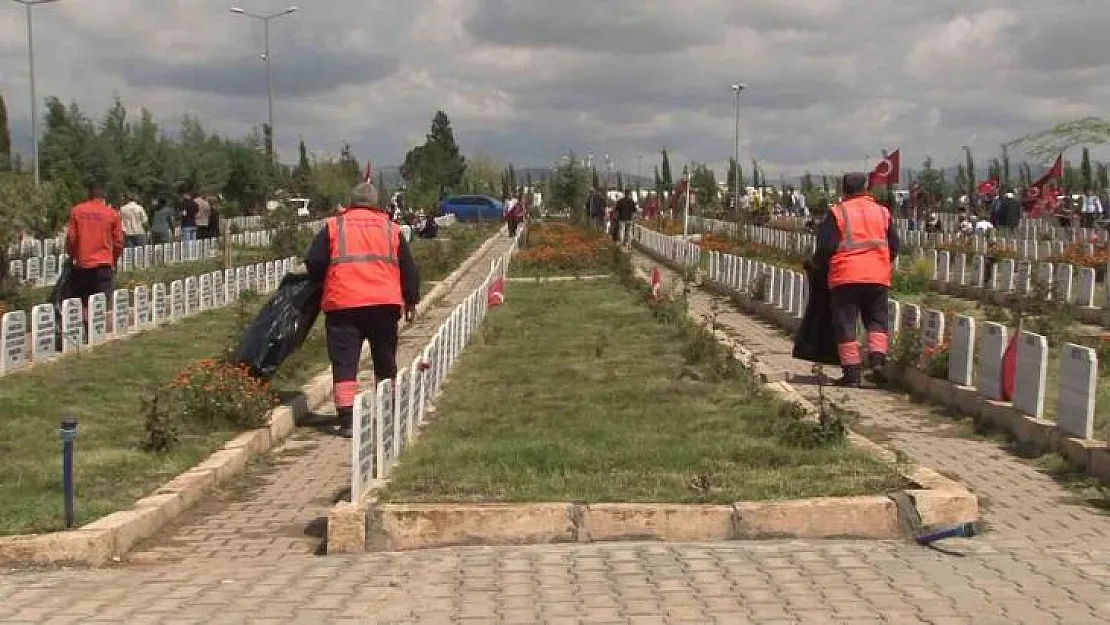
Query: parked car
472,208
301,205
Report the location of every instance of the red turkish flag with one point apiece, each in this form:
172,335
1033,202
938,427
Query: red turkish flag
656,283
1042,193
988,187
496,295
887,171
1009,368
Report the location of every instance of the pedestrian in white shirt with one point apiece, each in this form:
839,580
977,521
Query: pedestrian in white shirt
1092,208
983,226
135,222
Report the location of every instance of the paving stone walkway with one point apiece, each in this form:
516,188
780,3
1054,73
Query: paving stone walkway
1045,561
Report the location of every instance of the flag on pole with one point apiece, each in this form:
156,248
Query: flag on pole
656,283
886,173
1009,368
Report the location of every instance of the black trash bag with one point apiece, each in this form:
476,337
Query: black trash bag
815,340
63,290
280,327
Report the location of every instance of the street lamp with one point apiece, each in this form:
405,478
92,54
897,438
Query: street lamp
34,98
737,89
265,19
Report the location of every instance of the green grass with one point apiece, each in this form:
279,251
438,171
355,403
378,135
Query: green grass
103,389
574,391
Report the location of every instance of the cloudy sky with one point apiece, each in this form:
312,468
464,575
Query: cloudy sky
829,81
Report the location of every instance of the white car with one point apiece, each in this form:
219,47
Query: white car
300,204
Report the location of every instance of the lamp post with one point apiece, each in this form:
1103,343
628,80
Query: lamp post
265,19
28,4
738,88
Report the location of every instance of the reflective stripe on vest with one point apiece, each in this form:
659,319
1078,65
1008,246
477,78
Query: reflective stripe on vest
343,258
847,237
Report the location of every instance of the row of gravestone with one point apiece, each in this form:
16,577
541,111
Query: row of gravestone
973,361
31,246
1028,229
34,337
44,270
1074,284
386,417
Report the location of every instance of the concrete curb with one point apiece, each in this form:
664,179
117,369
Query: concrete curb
936,500
109,538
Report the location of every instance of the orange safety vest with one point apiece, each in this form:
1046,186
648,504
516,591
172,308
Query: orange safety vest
365,269
863,256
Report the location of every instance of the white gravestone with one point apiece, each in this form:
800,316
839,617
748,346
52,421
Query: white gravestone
403,412
121,312
387,439
364,448
13,333
192,296
934,262
72,325
799,295
219,292
248,283
177,299
50,269
911,317
34,270
1044,275
97,319
205,285
259,285
1005,274
43,332
932,331
235,283
1086,296
1065,275
961,354
944,260
1032,368
991,349
978,270
160,305
960,269
1024,278
894,315
1075,412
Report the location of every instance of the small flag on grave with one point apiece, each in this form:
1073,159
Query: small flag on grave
496,296
656,283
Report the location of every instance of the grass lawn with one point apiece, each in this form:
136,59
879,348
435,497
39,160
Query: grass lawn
574,391
103,389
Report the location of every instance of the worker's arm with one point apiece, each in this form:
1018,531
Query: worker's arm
892,241
117,236
828,240
72,237
410,276
318,256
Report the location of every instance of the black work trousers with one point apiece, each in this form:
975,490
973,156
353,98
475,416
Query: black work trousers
85,283
348,329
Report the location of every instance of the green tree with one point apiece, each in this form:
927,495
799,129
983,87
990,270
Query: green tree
5,138
595,180
994,170
569,189
1026,173
438,165
1064,136
1087,177
482,176
1006,179
933,186
703,184
665,170
302,173
969,170
1102,180
1072,178
757,181
807,182
733,170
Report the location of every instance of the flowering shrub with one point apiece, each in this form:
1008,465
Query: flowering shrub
1084,255
563,247
664,225
934,361
204,395
751,249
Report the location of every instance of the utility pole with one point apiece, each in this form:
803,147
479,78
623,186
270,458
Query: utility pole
265,19
29,4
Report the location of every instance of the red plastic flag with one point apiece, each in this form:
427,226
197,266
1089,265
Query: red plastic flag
656,283
1009,368
496,293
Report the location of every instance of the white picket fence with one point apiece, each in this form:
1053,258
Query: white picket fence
43,265
33,246
975,274
788,291
386,418
31,338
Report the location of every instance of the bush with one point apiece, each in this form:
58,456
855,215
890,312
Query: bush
290,236
564,248
206,395
913,279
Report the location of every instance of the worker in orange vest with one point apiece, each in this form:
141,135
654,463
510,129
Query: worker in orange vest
370,279
858,244
94,242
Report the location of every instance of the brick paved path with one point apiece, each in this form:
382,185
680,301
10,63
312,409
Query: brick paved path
284,516
1047,561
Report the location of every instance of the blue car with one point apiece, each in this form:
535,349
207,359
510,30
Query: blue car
472,208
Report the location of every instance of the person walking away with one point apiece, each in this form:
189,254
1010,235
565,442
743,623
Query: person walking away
161,224
213,217
369,279
204,212
596,206
135,222
858,243
625,210
94,242
188,213
514,215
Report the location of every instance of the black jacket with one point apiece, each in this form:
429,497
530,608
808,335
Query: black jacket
828,240
318,258
626,208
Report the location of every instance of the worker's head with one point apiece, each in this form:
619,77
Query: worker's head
95,189
365,194
854,183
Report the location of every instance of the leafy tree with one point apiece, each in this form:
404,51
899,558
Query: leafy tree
620,181
1062,137
703,183
595,181
5,138
1072,177
665,170
807,182
733,170
483,175
569,189
1102,176
1086,174
757,182
969,171
1006,180
933,185
1026,174
302,173
437,166
994,170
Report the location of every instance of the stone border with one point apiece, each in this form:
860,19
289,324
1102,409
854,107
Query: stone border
109,538
938,500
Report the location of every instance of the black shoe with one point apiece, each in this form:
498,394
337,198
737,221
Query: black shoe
852,377
877,365
344,431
